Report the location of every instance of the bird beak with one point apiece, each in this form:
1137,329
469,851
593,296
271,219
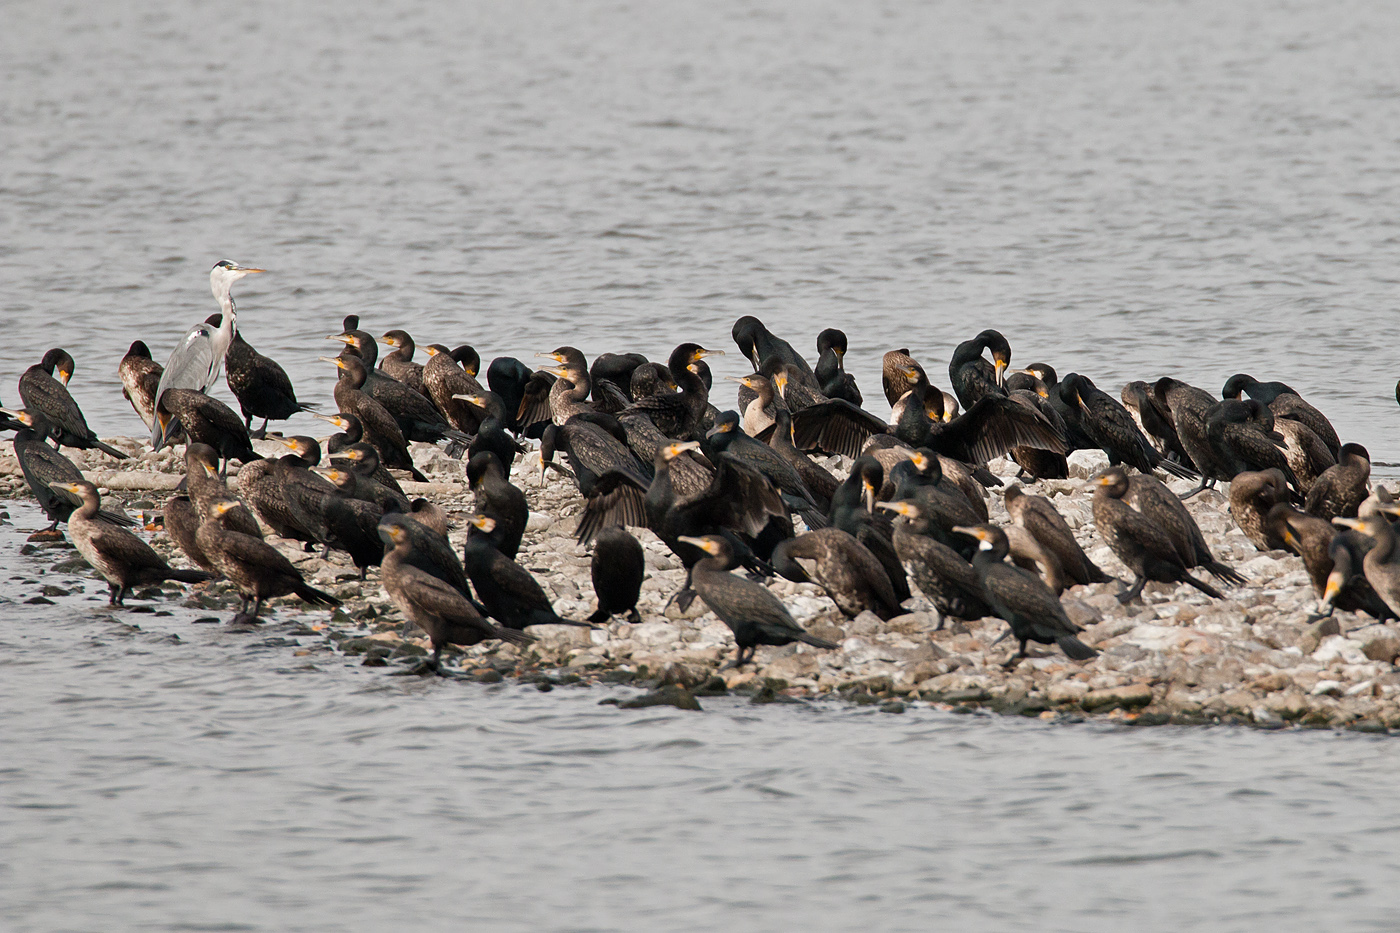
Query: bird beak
22,417
899,508
972,532
869,496
1001,365
724,428
551,356
557,371
343,338
476,400
709,547
1334,586
390,341
701,353
1357,523
332,359
333,419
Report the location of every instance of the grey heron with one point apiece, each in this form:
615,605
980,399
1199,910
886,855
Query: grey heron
198,359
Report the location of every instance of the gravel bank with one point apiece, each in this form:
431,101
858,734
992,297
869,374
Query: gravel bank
1179,657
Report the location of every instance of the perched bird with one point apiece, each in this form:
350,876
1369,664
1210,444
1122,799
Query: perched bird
511,595
122,558
256,568
433,605
398,364
1382,563
752,612
140,376
1340,489
841,566
206,420
43,393
1138,538
1022,598
617,569
196,362
971,376
379,426
497,498
1038,516
1252,495
44,468
942,575
1284,402
831,372
262,387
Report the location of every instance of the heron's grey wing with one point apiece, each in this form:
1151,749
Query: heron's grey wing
191,366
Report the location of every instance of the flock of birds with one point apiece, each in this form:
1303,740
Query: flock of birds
722,489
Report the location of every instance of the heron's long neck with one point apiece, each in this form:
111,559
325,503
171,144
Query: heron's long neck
229,325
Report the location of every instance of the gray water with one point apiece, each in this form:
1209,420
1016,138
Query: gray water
1125,189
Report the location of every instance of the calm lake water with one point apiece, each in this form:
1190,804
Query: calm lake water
1126,190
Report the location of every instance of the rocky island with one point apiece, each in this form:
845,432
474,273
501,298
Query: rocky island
1258,657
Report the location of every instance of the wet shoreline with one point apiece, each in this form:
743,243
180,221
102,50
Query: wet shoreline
1254,658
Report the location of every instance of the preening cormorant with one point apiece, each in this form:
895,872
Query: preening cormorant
843,567
617,569
43,393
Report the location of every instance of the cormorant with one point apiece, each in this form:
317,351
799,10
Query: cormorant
1381,564
1284,402
1022,598
261,386
1252,495
433,605
509,592
206,420
43,467
680,415
831,372
445,378
618,567
752,612
140,375
122,558
1043,521
398,364
942,575
497,498
418,419
256,568
1242,438
971,376
841,566
1138,538
1334,560
380,428
43,393
507,377
1113,430
1341,488
895,376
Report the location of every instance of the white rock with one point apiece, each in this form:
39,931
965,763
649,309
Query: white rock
1327,688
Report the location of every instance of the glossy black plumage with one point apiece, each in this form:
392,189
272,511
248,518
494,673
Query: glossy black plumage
1022,599
41,392
511,595
378,425
261,386
942,575
617,569
497,498
209,421
753,613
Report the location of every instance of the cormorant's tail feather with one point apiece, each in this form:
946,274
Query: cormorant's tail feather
1075,649
314,596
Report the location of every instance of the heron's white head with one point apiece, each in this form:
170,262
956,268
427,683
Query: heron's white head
224,274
